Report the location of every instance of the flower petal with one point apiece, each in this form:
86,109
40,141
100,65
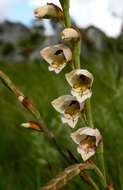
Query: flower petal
81,97
57,70
87,140
77,137
70,109
84,153
71,122
60,103
72,76
49,53
57,56
81,133
92,132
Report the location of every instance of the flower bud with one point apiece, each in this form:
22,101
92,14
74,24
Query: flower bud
29,105
70,34
110,187
32,125
48,11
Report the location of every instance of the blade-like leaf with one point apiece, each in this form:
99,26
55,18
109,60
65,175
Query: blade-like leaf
24,101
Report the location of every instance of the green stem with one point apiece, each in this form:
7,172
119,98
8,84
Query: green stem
100,148
84,175
94,184
100,173
77,45
89,113
76,58
67,18
65,5
77,51
100,157
45,128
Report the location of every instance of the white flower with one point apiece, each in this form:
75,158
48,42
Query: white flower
81,81
69,34
48,11
69,108
87,140
57,56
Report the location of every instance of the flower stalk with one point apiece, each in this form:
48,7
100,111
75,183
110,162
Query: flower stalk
100,158
76,55
65,6
78,104
88,179
100,150
99,173
89,113
77,51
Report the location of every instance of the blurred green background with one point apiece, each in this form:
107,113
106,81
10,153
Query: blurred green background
28,159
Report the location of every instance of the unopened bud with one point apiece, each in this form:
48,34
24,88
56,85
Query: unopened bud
32,125
70,34
48,11
28,105
110,187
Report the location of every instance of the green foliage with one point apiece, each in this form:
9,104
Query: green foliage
7,48
27,45
28,160
32,41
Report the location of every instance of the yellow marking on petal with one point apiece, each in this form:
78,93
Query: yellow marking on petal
57,64
79,88
59,59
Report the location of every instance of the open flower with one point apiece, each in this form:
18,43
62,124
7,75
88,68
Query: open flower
81,81
87,140
69,108
48,11
70,34
57,56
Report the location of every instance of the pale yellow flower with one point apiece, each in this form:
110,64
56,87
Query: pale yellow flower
48,11
70,34
87,140
57,56
69,108
81,81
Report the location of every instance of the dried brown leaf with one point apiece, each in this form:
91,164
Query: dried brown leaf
64,177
